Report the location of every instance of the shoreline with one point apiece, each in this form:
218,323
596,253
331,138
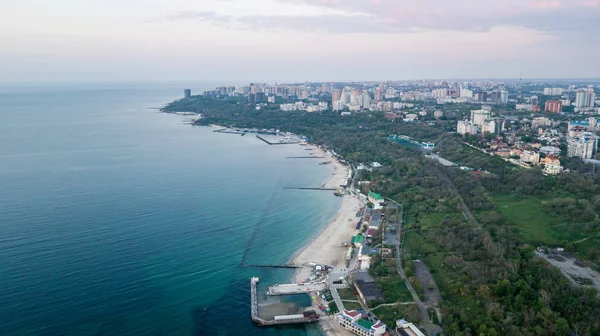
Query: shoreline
326,246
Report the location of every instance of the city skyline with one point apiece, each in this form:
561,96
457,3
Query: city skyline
285,41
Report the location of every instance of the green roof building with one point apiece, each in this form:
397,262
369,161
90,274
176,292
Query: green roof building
375,197
357,240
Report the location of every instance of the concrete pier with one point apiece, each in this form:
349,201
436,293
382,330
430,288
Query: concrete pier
306,317
289,289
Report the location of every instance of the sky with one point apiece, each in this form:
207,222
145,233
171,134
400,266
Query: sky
297,40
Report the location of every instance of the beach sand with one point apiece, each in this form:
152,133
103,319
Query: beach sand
327,247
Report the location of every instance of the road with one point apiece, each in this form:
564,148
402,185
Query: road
426,323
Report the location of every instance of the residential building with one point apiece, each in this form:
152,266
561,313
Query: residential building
466,93
582,145
336,95
553,106
259,97
585,99
504,97
356,323
378,94
550,160
531,157
478,117
541,122
187,93
552,170
251,98
466,127
553,91
550,150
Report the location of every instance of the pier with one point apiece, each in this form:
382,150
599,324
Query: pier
292,188
289,289
275,266
285,142
305,157
306,317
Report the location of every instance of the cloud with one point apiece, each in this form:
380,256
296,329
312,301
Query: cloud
475,15
393,16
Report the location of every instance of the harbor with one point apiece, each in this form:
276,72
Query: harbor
307,316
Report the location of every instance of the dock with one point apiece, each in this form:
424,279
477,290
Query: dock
305,157
306,317
287,142
292,188
290,289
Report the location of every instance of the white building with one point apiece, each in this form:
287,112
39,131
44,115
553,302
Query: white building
530,157
353,321
338,105
364,100
408,328
582,145
553,91
466,93
550,150
466,127
478,117
585,99
504,97
541,122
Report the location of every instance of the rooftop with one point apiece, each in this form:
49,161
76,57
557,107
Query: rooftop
365,323
376,196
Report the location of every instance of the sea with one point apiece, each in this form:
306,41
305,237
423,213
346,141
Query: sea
116,219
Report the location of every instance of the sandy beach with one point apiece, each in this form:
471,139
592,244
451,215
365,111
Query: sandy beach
327,247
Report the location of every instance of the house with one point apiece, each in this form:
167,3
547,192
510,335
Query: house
356,323
366,286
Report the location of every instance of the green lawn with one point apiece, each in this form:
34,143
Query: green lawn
535,225
389,315
352,305
346,294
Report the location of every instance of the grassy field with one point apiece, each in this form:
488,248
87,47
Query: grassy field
537,226
346,294
394,289
389,315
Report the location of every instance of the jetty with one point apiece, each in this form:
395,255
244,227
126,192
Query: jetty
305,157
285,141
309,316
301,288
292,188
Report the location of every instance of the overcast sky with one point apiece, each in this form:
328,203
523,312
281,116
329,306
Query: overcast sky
285,40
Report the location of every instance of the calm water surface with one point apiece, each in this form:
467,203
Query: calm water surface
118,220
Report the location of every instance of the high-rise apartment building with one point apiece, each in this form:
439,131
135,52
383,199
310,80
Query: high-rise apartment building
336,95
187,93
553,106
478,117
582,145
585,99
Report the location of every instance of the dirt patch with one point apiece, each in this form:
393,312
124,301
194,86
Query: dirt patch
577,272
430,289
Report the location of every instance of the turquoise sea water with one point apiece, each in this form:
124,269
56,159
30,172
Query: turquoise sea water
118,220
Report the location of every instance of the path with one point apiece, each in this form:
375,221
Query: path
429,327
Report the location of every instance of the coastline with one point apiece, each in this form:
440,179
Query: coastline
326,246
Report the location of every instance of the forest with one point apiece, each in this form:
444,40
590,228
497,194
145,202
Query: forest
485,266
